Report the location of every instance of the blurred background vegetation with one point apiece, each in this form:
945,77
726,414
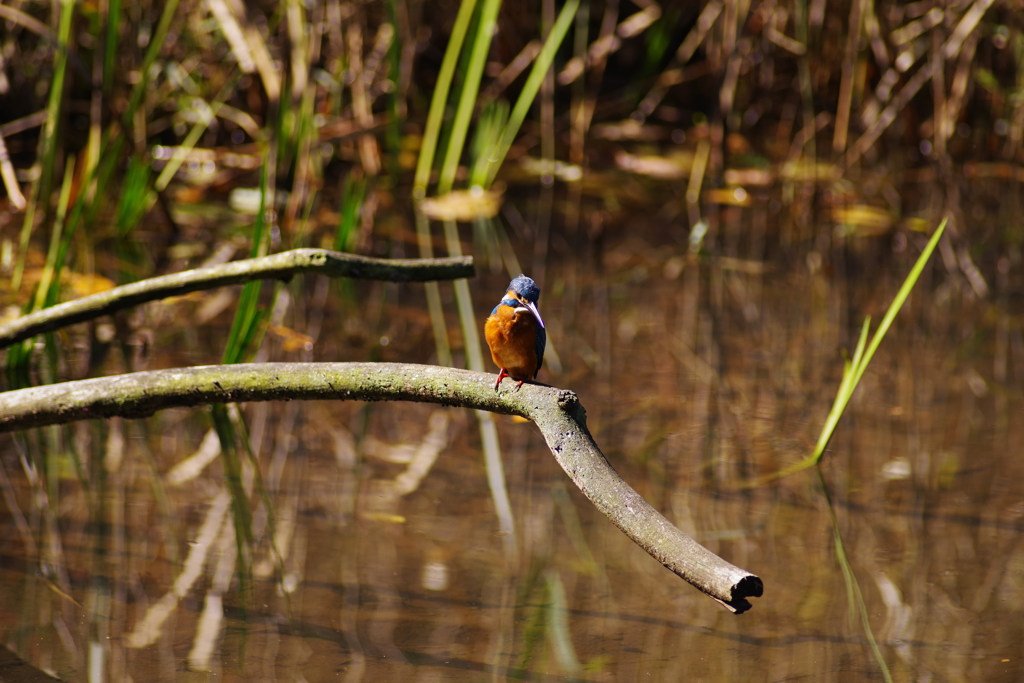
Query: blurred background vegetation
137,136
824,138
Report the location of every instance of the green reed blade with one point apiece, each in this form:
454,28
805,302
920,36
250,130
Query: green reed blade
16,365
51,271
862,358
854,370
901,297
396,106
532,86
248,326
425,164
48,148
136,199
487,139
48,139
439,100
308,168
156,43
136,196
110,158
353,193
846,387
467,98
111,43
245,329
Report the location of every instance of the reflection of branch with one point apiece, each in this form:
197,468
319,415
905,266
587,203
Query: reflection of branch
280,266
556,412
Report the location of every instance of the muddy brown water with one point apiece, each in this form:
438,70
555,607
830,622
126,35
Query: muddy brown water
901,555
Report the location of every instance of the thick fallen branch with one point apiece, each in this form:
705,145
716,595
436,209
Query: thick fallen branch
556,412
281,266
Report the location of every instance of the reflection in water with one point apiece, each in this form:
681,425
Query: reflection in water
379,556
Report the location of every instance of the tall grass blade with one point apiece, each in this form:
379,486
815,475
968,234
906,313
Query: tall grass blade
396,105
439,100
110,44
136,199
248,322
467,98
156,43
487,139
897,304
51,272
110,158
135,196
243,340
308,171
48,140
48,149
531,87
846,387
425,164
353,192
854,369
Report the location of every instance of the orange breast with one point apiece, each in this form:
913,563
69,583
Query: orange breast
511,337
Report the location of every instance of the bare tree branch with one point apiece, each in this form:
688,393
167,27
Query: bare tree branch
281,266
556,412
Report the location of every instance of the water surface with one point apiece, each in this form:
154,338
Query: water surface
900,555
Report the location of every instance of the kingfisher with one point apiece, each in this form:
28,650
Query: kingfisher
515,332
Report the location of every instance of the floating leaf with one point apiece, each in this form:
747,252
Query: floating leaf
463,205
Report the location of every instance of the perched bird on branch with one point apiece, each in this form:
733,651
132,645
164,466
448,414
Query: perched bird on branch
515,332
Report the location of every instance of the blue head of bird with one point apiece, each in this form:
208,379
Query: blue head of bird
522,294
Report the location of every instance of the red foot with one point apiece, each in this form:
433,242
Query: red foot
502,375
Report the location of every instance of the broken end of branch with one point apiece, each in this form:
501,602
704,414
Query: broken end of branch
749,586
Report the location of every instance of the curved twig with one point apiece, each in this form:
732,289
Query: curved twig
281,266
556,412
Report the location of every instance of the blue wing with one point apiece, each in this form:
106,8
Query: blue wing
539,344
